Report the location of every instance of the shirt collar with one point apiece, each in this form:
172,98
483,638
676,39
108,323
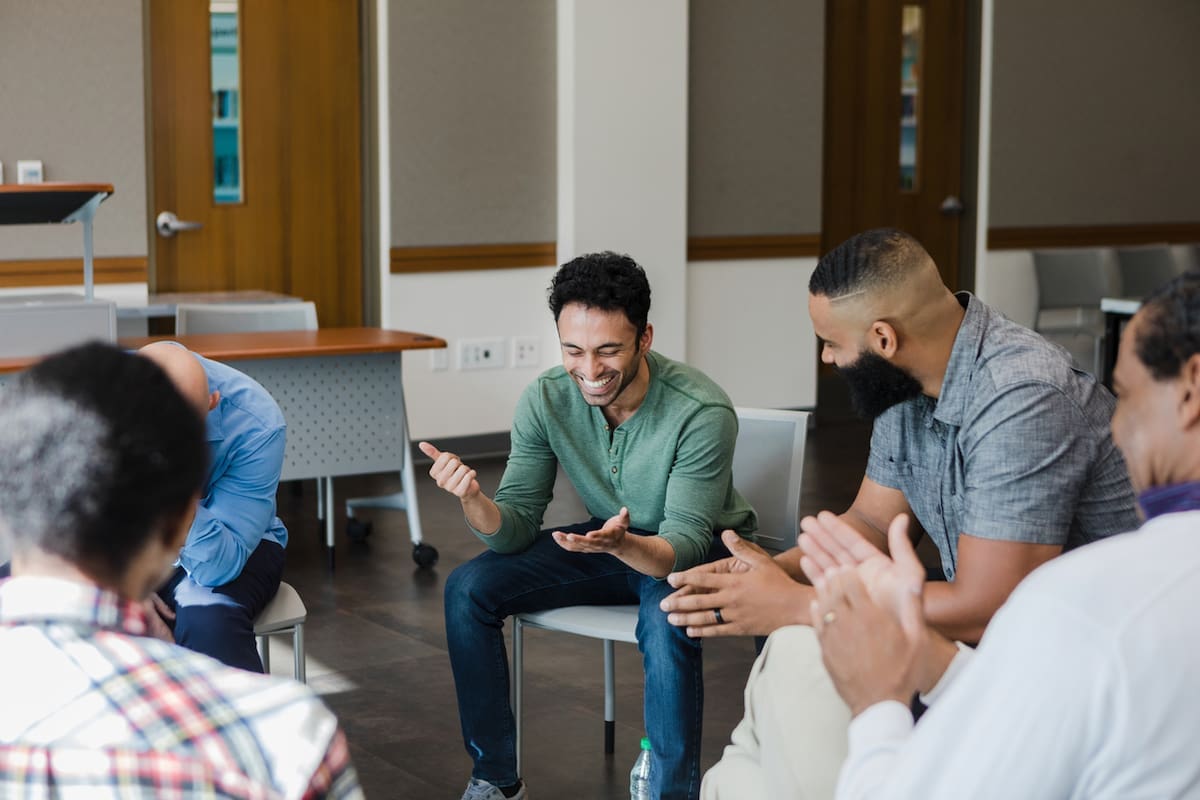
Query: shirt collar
1159,500
31,600
968,343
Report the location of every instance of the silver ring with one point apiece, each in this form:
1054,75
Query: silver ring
829,618
717,614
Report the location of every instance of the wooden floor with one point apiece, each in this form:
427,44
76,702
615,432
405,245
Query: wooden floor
376,645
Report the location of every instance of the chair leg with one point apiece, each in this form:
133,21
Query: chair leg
320,498
264,653
518,679
610,698
298,661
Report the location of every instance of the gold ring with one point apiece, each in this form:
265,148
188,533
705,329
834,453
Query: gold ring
829,618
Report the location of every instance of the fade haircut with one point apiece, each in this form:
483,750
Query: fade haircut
873,259
1170,331
98,453
606,281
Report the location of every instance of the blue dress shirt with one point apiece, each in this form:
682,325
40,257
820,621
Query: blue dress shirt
246,437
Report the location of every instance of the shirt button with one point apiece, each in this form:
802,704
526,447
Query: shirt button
614,470
607,428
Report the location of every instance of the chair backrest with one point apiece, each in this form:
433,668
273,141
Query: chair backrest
39,328
1144,269
1075,277
768,464
244,317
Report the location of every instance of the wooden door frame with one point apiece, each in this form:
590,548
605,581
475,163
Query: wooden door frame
969,150
370,179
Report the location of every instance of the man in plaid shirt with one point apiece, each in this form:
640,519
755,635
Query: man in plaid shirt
97,490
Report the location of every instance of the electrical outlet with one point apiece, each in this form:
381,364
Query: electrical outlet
439,360
527,351
480,353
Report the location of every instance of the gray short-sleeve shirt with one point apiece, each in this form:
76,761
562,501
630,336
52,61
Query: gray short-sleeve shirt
1016,448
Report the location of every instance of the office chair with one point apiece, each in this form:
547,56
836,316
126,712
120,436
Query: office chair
1144,269
1071,283
37,327
244,317
768,463
284,614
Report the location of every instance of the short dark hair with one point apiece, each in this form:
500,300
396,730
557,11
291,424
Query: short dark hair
98,453
1170,330
873,258
608,281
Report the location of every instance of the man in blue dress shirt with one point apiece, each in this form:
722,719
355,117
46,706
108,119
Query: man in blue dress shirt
232,561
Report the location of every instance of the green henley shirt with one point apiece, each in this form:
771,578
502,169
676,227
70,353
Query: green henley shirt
670,463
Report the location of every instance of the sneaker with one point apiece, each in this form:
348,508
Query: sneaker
482,790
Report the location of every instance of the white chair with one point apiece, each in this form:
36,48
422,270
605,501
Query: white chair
244,317
768,463
34,326
1144,269
1071,283
283,615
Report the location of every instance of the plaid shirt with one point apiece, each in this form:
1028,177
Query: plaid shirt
90,707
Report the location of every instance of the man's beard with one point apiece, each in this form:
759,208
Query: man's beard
877,384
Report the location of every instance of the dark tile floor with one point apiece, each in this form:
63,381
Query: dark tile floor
376,645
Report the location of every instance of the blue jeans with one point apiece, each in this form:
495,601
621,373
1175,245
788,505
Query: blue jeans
483,592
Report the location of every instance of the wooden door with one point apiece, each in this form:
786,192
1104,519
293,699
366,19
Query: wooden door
869,104
298,226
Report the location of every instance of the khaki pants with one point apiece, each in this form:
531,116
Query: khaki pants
792,741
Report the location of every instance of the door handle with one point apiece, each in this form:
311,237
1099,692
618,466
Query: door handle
951,206
168,224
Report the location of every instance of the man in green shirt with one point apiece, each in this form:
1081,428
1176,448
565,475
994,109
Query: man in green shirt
648,444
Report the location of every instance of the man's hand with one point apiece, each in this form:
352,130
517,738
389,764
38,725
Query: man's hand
746,595
608,539
872,653
157,615
450,473
829,542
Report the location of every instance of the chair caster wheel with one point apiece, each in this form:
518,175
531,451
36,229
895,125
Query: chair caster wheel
425,555
357,530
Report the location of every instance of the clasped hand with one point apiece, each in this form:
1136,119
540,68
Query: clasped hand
753,594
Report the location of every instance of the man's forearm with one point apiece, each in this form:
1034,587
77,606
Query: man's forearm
649,555
482,514
953,614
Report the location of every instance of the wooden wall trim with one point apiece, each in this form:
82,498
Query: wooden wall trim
473,256
69,271
730,248
1034,238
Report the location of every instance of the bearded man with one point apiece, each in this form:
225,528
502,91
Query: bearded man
983,433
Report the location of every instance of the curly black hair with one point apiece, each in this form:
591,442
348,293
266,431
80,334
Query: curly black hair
873,258
1170,329
608,281
100,453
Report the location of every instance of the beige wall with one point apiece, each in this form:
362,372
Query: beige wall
472,92
71,95
1096,116
756,85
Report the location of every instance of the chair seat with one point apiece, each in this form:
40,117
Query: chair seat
616,623
284,611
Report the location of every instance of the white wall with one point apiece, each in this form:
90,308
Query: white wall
749,330
463,305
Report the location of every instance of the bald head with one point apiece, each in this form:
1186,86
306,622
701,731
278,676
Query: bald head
184,370
879,274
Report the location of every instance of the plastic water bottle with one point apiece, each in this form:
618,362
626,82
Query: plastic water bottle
639,776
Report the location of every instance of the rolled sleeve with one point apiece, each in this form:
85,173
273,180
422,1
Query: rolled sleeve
882,462
1026,465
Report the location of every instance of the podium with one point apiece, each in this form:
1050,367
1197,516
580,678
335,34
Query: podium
39,203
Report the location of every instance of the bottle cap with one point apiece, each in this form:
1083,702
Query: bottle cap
645,743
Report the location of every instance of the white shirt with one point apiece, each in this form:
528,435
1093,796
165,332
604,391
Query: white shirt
1086,685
